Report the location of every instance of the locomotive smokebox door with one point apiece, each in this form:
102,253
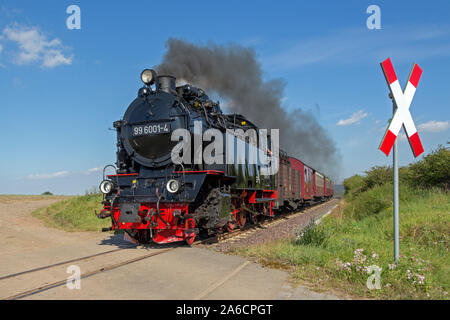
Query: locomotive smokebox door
129,212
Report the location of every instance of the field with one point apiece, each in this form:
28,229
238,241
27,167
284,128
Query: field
74,214
9,198
343,251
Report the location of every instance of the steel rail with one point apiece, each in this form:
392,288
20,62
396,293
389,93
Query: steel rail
83,276
61,263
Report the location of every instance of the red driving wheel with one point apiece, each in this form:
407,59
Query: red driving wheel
241,219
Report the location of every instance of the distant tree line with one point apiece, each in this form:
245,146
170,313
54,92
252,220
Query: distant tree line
430,172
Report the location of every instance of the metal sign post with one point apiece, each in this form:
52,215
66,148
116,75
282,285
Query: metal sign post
401,101
396,206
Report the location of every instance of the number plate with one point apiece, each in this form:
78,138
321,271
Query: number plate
150,129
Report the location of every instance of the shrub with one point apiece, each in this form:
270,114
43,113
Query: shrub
47,193
432,171
312,234
370,202
353,185
376,176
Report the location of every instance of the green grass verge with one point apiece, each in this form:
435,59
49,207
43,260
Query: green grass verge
74,214
336,254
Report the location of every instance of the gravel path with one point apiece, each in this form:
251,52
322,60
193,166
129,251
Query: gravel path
283,229
20,232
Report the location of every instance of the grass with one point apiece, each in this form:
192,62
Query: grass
74,214
336,254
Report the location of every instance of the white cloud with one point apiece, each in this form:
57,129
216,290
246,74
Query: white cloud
430,126
34,47
92,170
58,174
356,117
401,43
62,174
433,126
1,46
55,58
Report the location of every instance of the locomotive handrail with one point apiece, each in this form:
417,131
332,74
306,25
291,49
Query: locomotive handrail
201,171
122,174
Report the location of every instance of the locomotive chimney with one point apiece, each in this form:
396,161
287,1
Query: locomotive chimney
166,84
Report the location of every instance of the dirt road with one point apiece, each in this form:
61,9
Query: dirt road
26,243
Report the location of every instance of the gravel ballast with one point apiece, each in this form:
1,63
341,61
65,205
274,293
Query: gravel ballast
281,230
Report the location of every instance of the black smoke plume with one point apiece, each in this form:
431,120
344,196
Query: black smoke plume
233,72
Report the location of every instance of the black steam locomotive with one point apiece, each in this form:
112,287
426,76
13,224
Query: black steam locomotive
154,198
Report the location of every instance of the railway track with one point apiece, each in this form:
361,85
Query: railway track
210,241
59,264
55,284
250,229
58,283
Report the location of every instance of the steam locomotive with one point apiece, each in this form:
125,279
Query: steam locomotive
152,197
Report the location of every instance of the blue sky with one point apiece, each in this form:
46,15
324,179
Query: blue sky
60,89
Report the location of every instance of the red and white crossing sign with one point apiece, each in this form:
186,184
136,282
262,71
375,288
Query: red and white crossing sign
402,116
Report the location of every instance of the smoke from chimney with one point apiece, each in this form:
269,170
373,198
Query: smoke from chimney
233,72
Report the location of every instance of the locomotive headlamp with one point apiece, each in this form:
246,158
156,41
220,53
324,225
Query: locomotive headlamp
106,186
148,76
172,186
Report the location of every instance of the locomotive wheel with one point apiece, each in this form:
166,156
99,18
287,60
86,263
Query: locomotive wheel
143,236
231,226
140,236
255,219
190,225
241,219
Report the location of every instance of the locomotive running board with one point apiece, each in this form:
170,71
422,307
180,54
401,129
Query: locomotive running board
260,200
